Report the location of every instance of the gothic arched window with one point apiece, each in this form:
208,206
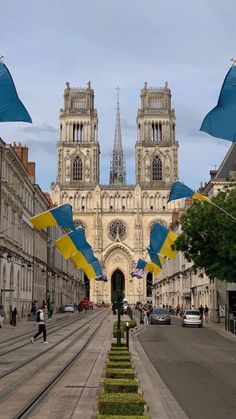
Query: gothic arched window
157,168
117,230
77,169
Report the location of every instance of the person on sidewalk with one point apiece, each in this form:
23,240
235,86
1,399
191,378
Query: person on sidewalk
41,326
145,319
13,317
206,313
201,309
2,315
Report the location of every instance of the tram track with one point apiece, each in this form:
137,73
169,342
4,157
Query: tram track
51,328
38,355
29,384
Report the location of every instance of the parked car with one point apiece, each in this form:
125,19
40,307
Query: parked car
69,308
159,316
192,318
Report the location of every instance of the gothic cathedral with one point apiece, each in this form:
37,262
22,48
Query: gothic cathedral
117,217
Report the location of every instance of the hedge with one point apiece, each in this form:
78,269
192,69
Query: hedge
121,404
115,334
128,373
120,385
117,358
121,417
117,364
122,345
119,348
119,353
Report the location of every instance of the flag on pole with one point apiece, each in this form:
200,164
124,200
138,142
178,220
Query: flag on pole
220,122
81,263
92,270
144,266
11,107
161,241
155,260
59,216
72,243
179,190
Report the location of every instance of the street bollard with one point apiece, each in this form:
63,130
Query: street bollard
127,334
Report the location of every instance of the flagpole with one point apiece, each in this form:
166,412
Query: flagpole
221,209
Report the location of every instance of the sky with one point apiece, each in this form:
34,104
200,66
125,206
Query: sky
125,43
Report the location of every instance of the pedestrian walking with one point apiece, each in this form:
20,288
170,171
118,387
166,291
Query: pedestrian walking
177,309
145,313
13,317
206,309
50,310
201,309
2,315
40,318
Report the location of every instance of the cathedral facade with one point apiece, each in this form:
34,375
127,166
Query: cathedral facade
117,217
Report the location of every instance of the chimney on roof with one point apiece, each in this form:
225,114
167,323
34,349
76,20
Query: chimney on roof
213,174
22,153
31,171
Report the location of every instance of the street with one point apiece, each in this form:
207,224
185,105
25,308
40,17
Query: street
197,365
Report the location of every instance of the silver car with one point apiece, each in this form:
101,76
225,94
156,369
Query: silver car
192,318
159,316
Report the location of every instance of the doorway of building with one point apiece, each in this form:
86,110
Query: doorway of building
87,287
149,284
117,282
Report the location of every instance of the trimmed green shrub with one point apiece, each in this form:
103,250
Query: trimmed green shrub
119,358
119,348
119,353
114,344
120,385
117,364
121,404
121,417
115,334
128,373
132,324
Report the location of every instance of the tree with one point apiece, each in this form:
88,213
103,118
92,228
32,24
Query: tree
208,236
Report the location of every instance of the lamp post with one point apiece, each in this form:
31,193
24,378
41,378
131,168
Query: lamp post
117,297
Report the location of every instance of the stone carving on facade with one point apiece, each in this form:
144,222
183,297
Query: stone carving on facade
118,260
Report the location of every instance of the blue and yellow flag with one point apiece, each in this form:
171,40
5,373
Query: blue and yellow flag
72,243
155,260
220,122
161,240
179,190
11,107
81,263
92,270
147,266
59,216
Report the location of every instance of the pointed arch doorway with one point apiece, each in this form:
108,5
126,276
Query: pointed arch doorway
117,282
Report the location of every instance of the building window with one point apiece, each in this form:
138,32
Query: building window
77,169
117,230
157,169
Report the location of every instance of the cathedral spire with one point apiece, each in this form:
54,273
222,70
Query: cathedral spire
117,171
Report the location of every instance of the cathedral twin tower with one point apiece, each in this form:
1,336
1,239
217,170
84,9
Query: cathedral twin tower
117,217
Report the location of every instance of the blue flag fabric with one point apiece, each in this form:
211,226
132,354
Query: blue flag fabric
11,107
220,122
179,190
154,258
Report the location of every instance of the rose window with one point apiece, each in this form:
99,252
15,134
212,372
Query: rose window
117,230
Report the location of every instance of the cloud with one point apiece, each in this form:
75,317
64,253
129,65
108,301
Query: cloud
40,130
